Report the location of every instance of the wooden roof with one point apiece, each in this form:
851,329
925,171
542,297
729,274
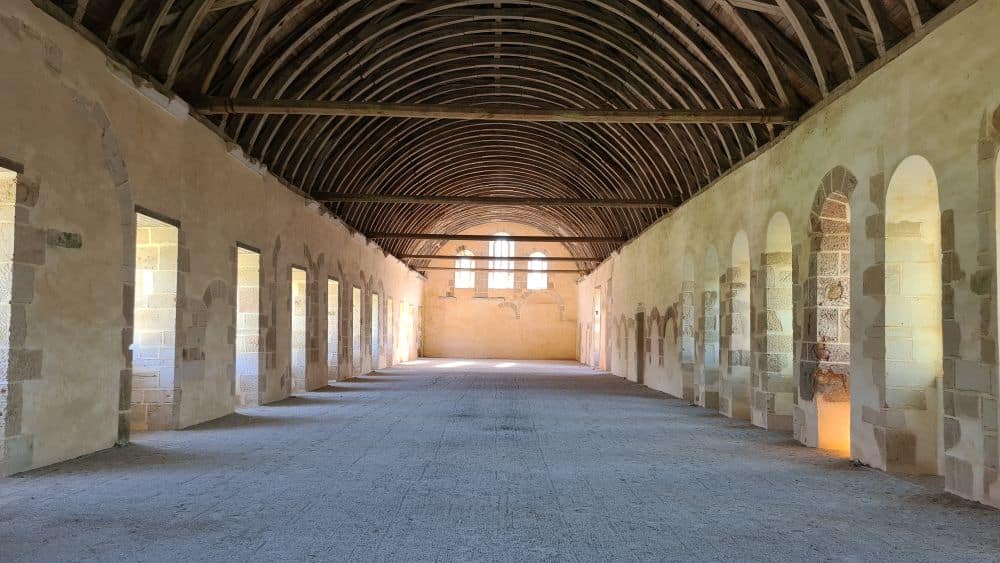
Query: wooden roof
531,54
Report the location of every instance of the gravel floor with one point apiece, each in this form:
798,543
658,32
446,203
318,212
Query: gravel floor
481,461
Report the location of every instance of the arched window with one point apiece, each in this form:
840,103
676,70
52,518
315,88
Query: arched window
538,278
501,247
465,276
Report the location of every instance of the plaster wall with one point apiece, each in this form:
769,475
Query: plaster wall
937,100
483,322
90,142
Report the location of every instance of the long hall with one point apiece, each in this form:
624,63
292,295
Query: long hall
499,279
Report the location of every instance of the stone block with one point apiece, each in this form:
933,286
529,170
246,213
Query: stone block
11,408
19,364
873,280
838,242
990,451
952,432
124,431
896,397
828,325
958,476
124,389
967,405
981,282
875,227
990,414
29,245
948,399
900,447
16,453
951,338
828,263
872,416
137,417
22,282
905,229
63,239
972,376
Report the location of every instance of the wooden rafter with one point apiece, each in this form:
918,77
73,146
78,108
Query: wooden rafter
487,238
501,270
513,258
607,61
810,39
586,203
846,36
490,113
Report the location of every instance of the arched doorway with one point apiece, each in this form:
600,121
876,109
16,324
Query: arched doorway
596,339
913,338
824,418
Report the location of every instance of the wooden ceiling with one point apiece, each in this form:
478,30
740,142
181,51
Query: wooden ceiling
505,55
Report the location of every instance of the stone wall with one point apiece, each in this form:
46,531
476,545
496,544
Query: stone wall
832,177
87,144
515,323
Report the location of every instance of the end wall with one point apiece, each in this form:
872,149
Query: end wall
516,323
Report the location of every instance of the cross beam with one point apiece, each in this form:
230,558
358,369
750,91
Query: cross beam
501,270
221,106
494,200
515,258
487,238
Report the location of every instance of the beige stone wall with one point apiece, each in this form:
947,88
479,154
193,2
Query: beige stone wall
90,143
937,100
483,322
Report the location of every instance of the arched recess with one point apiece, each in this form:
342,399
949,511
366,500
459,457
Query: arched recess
465,275
597,353
707,381
630,349
686,328
773,380
734,385
18,265
913,336
823,415
655,329
618,366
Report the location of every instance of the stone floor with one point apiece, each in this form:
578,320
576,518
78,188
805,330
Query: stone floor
490,461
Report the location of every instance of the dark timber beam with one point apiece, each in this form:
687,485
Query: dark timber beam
515,258
215,106
497,200
487,238
503,270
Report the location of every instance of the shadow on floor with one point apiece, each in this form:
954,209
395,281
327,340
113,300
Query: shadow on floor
127,459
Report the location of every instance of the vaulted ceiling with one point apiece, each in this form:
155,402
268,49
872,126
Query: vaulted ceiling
529,54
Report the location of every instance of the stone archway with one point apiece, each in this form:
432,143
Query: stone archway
823,415
913,339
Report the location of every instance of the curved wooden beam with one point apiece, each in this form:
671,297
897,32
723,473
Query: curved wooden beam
494,200
487,238
218,106
842,29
